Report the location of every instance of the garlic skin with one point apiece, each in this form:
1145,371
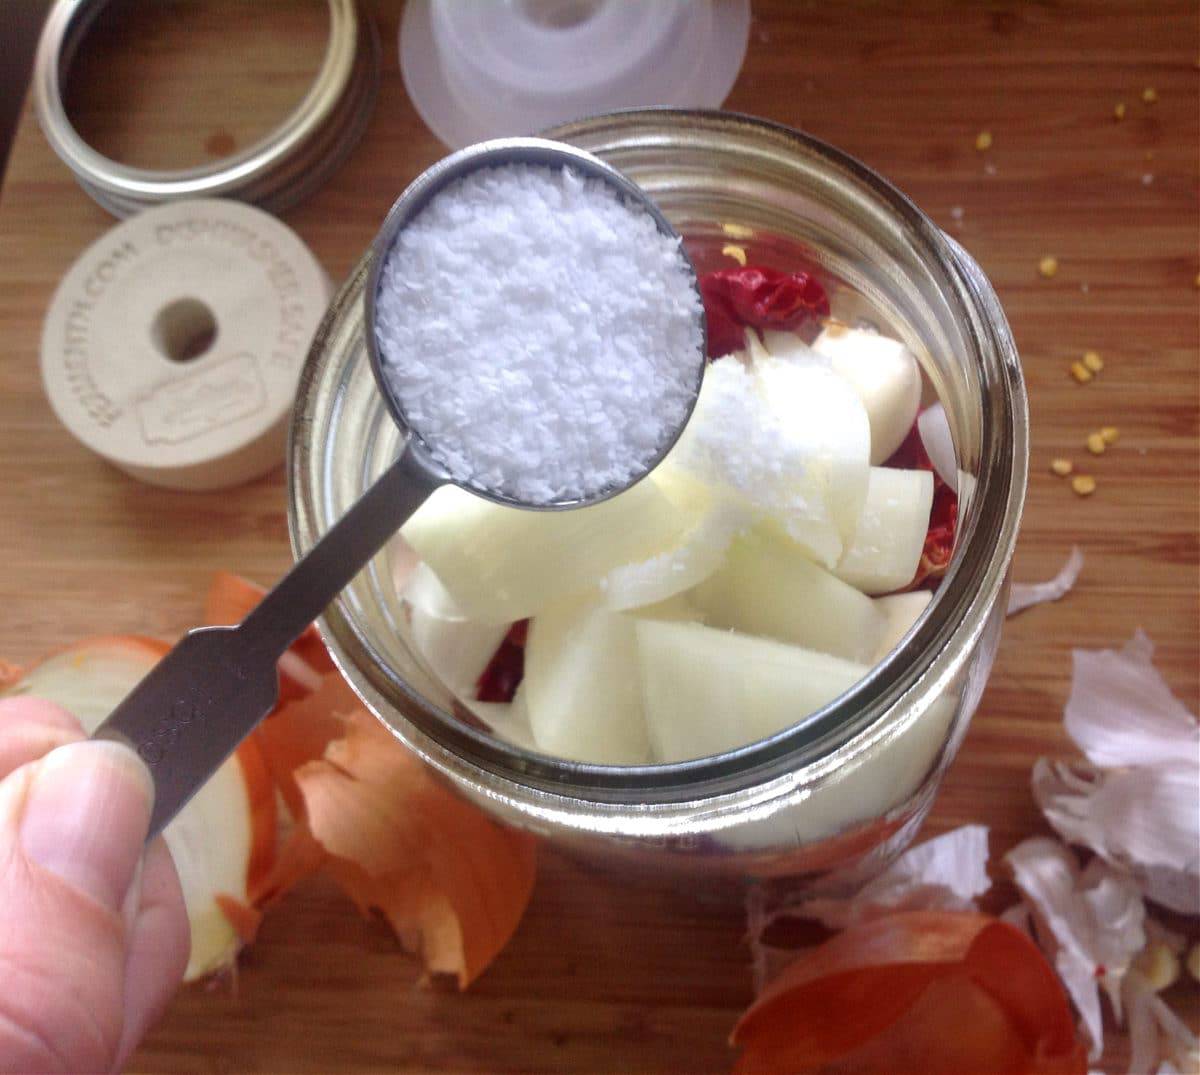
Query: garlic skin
947,873
1142,820
1193,961
1090,923
1023,595
1136,800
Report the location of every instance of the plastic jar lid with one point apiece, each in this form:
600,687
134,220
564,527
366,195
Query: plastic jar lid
508,67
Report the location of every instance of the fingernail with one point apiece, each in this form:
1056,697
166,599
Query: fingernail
86,816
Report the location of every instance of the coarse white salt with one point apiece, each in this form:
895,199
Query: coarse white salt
786,439
541,335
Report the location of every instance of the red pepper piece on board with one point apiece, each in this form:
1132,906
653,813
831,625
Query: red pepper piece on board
943,515
506,669
757,297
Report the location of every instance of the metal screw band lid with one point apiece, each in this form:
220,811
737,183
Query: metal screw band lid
274,173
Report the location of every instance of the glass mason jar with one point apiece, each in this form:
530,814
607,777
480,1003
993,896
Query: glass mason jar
834,797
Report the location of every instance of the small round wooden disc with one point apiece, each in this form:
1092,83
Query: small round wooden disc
173,345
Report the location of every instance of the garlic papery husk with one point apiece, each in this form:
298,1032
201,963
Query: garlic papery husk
1145,820
1091,923
1157,1036
946,873
1136,800
1121,712
1023,595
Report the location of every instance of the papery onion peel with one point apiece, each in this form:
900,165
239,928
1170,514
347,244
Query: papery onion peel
452,883
922,991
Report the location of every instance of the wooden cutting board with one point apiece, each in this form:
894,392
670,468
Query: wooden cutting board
604,976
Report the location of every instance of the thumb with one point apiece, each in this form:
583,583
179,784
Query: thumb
85,817
72,826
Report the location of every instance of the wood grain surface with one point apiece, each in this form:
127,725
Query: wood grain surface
604,976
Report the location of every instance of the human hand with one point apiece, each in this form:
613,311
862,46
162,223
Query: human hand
93,932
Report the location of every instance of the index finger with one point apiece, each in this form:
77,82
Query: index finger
31,727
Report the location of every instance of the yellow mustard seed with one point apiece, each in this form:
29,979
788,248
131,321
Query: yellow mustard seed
1158,965
983,140
1095,444
1110,434
1119,111
732,250
1048,266
1061,467
1083,484
1093,361
1081,373
1149,95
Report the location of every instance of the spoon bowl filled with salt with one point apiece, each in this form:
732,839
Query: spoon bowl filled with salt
535,326
534,323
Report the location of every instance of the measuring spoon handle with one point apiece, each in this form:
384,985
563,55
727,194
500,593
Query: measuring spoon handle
205,696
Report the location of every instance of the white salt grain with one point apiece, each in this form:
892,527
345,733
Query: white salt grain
541,335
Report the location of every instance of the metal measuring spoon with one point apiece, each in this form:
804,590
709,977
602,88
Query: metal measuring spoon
194,708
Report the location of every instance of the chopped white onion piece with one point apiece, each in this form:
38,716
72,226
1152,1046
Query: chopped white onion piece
456,651
706,691
790,347
508,720
767,588
502,564
934,429
885,376
581,684
887,545
900,611
698,555
788,442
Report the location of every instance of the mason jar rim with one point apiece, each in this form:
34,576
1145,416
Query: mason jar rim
930,653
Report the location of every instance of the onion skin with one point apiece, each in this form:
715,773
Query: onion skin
925,992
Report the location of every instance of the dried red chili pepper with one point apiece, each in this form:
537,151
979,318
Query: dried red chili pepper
506,669
757,297
943,515
939,538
